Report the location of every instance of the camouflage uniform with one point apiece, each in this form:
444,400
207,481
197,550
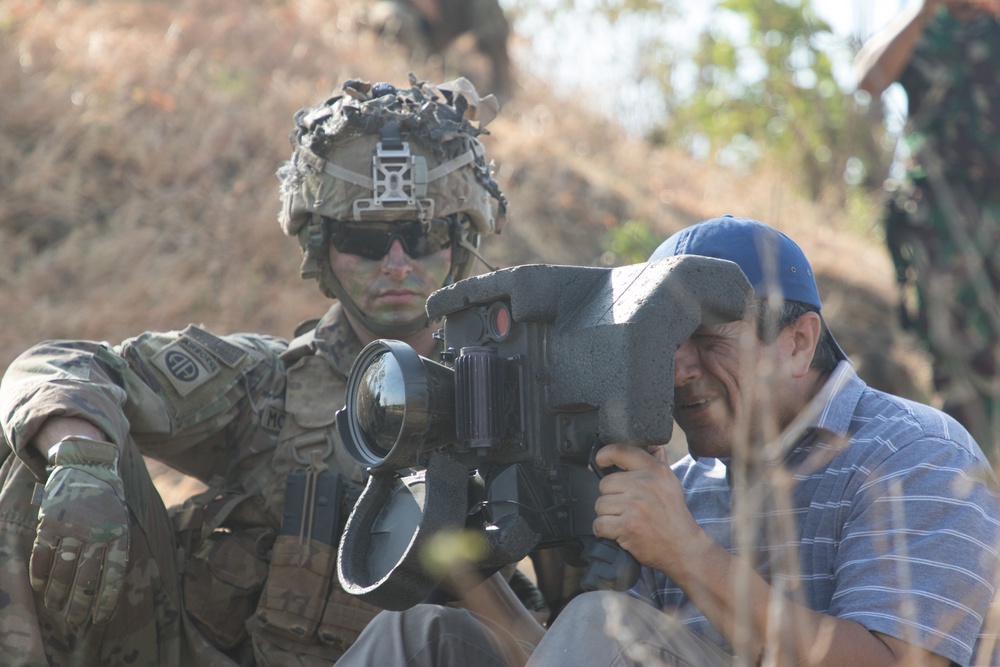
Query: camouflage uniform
943,226
238,412
242,574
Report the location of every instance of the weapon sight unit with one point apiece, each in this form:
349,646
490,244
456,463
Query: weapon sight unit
542,365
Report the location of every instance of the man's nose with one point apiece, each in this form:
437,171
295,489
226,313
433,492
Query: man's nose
396,260
686,365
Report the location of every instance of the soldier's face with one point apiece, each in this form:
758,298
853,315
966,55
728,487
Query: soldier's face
391,290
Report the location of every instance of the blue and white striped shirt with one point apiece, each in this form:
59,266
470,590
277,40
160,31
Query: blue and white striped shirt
890,519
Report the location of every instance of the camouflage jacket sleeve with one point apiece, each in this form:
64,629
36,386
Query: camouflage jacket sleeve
191,399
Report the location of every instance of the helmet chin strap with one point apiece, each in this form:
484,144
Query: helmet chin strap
464,242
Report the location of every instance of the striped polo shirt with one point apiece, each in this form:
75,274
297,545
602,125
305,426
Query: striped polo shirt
889,518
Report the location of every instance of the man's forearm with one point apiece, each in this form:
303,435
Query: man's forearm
884,57
764,626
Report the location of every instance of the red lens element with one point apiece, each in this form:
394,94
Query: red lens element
500,321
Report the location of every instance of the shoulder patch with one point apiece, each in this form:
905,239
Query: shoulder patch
186,365
227,353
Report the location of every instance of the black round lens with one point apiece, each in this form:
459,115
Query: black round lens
381,404
398,407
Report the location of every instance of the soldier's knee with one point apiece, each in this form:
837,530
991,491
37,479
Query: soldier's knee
438,619
591,609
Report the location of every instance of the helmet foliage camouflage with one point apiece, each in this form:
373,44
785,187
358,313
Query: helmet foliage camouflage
381,153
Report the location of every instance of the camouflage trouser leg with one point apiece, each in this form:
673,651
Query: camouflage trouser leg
957,279
970,393
147,627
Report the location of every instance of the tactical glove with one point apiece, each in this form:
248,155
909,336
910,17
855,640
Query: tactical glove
81,548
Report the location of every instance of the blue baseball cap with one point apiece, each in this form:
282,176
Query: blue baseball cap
774,264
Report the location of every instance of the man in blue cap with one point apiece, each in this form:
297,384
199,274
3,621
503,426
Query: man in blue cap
816,521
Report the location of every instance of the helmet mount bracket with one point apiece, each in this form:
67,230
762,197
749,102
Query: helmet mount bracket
399,179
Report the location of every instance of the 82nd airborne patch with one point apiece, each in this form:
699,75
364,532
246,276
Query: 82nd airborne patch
186,364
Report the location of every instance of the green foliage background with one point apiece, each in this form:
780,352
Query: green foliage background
765,90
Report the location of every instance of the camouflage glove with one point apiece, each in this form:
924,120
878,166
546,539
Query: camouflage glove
81,548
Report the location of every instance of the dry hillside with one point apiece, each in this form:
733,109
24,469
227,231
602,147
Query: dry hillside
139,140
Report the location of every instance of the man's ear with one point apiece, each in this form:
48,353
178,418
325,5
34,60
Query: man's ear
805,333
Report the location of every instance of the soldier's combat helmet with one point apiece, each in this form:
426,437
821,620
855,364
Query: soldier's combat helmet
381,154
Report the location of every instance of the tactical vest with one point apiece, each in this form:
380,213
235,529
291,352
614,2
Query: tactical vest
321,484
271,597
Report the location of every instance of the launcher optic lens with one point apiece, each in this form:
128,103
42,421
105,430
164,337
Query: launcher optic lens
397,402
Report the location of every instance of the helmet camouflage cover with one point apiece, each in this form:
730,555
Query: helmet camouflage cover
380,153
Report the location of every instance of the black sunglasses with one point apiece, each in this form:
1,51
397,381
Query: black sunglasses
372,240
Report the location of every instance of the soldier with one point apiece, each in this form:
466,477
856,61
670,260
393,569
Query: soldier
388,193
943,220
427,27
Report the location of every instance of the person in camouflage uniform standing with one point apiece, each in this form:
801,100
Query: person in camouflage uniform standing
388,193
943,220
426,28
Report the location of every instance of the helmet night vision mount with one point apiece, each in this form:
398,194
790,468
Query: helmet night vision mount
542,365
